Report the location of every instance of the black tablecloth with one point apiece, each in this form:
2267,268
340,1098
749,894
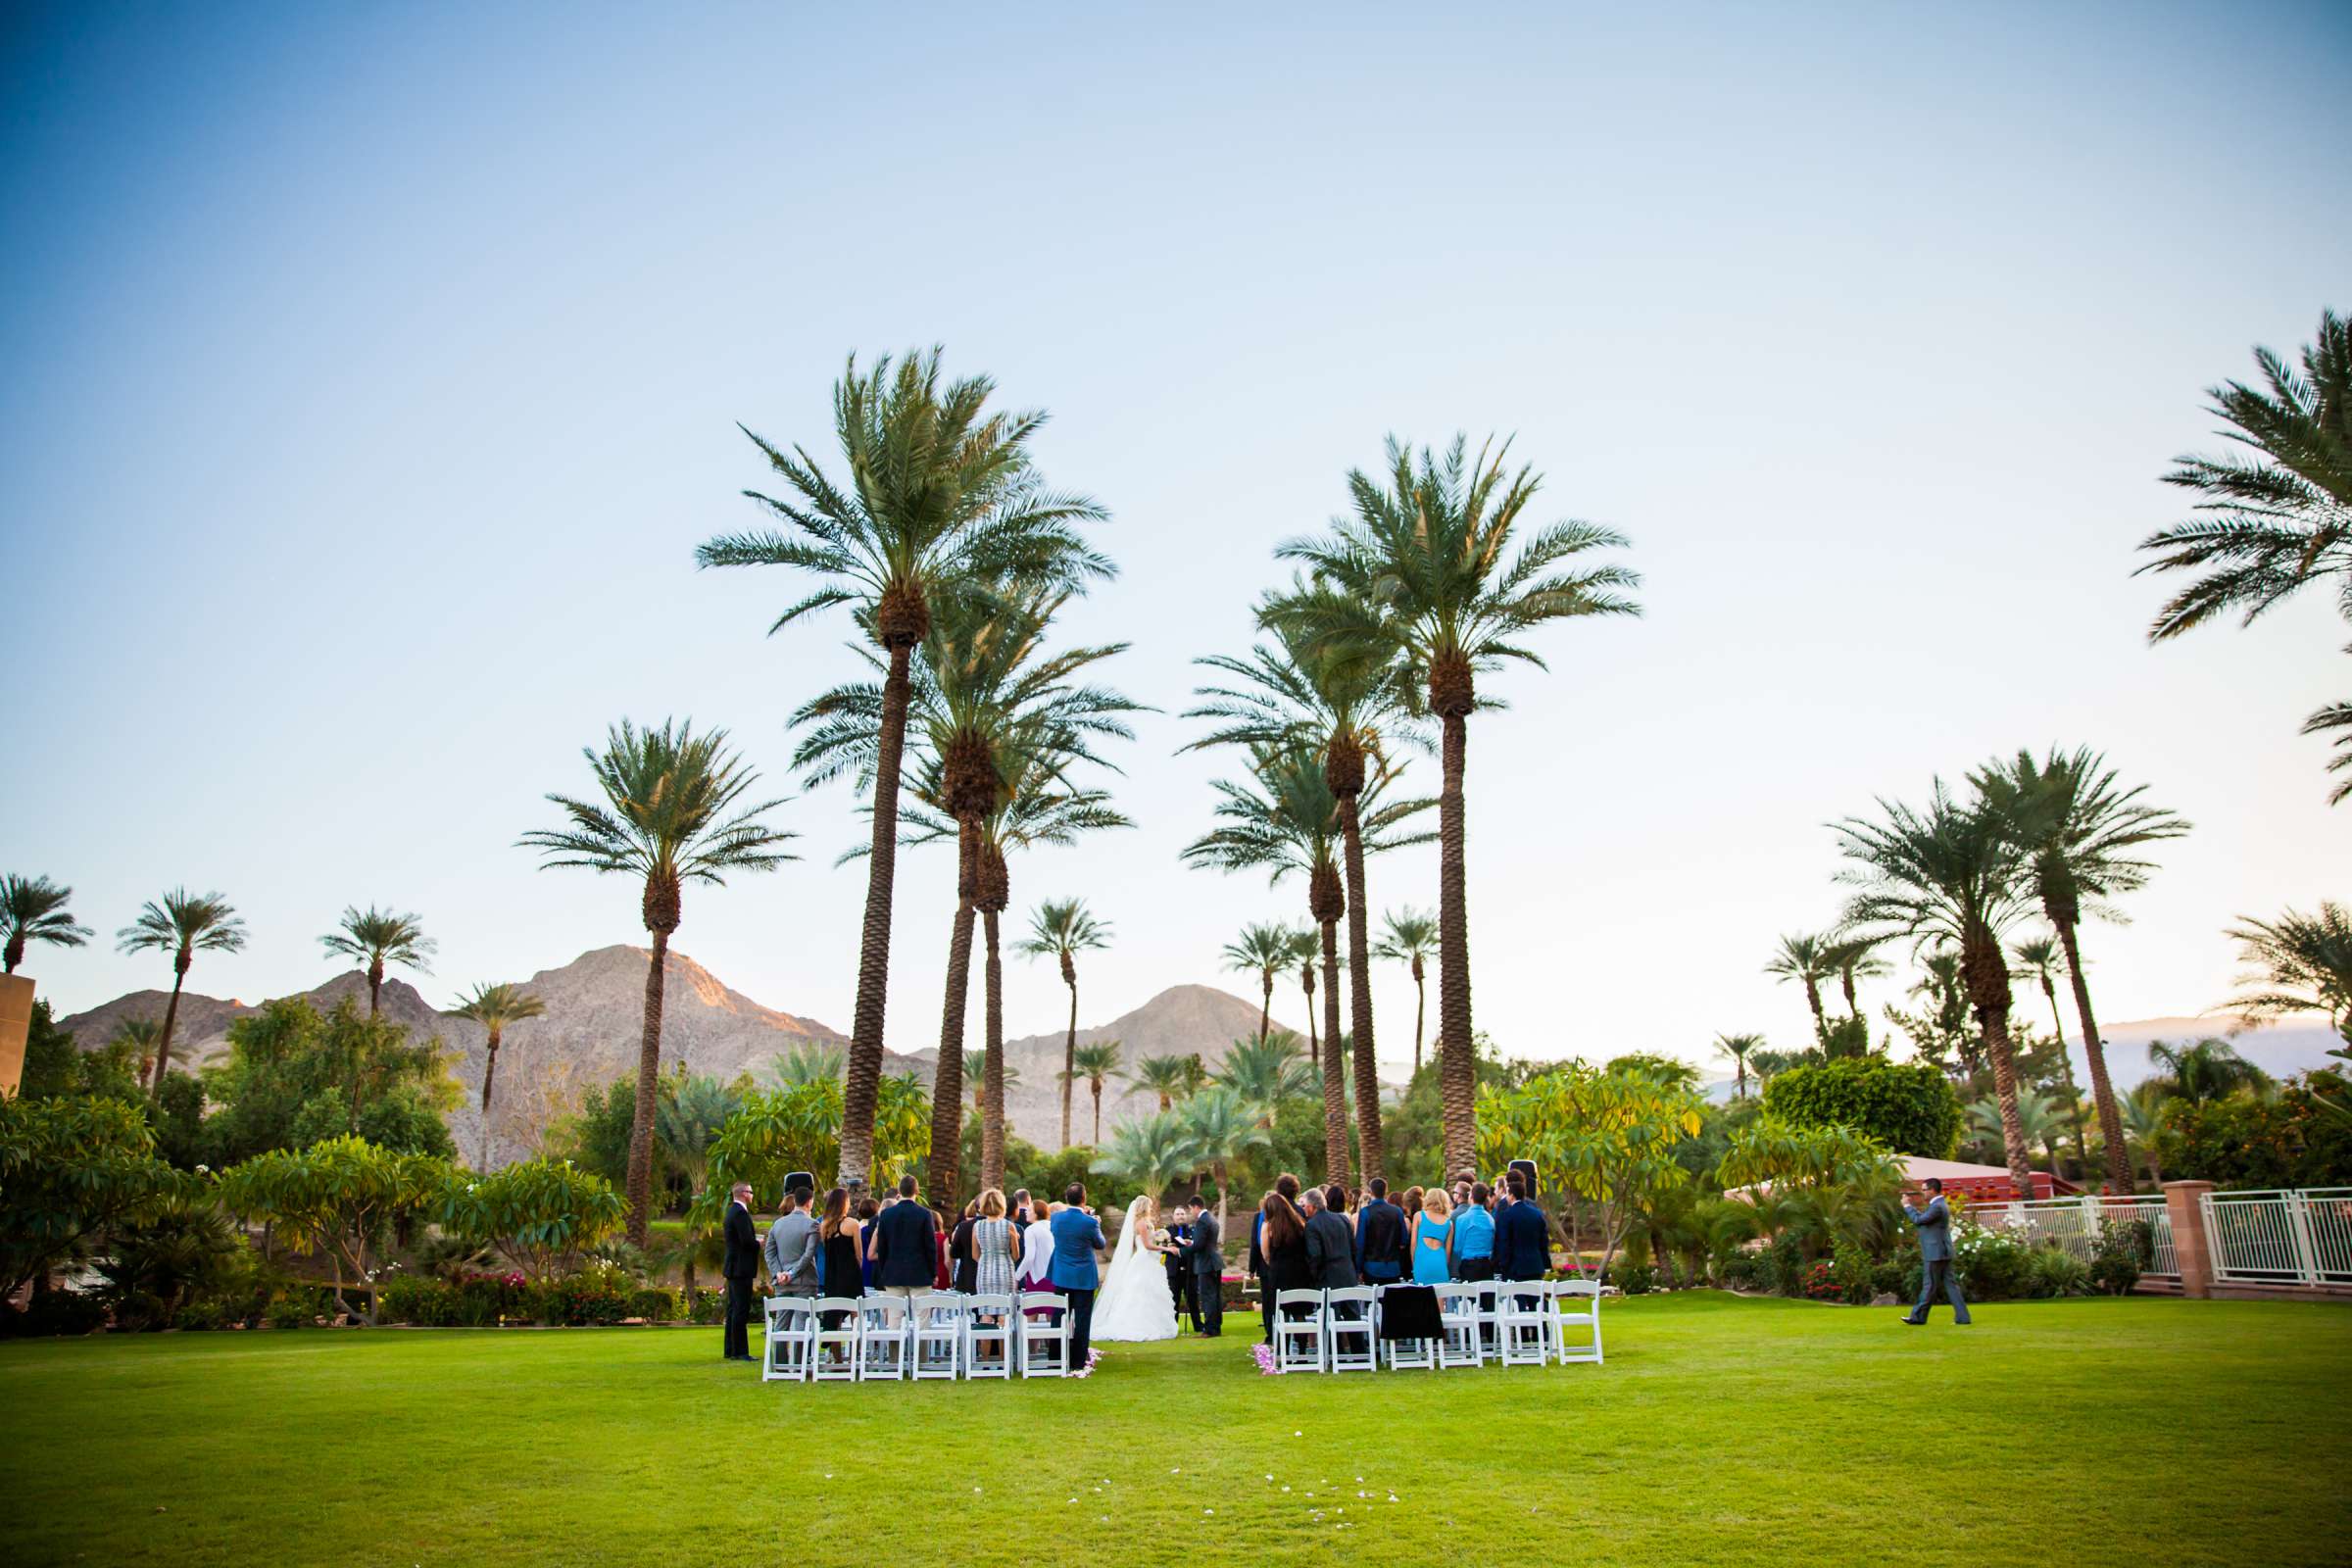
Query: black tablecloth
1410,1312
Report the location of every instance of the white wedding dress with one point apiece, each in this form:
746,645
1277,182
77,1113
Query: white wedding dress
1135,1304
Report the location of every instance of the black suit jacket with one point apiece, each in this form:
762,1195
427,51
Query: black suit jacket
1384,1254
742,1261
1203,1253
1522,1242
1330,1252
905,1248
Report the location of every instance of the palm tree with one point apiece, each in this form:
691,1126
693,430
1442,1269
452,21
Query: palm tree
183,924
34,910
1306,952
1950,875
938,494
2143,1118
494,1006
378,937
2210,1069
670,816
815,1063
2037,1117
1061,931
1854,955
975,1073
1219,1127
1094,1063
1808,960
1339,701
2269,525
2039,957
139,1040
2297,963
1738,1046
1424,570
2078,831
1168,1077
1152,1152
1286,820
1410,936
1266,1072
1266,948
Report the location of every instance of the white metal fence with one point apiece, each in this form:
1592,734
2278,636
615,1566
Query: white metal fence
2073,1224
2281,1237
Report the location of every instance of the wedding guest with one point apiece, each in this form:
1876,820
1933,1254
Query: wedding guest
1522,1238
1474,1236
1020,1214
1286,1186
792,1246
1036,1249
942,1268
995,1247
963,1263
1282,1239
1077,1239
1932,1220
839,1271
904,1250
740,1265
1380,1237
1329,1248
1410,1203
1433,1239
869,1209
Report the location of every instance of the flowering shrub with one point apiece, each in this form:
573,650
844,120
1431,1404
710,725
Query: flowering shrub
1820,1283
2125,1249
601,1295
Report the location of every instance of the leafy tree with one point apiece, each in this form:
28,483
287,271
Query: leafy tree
55,1066
72,1170
494,1006
34,910
2296,1138
2297,963
183,924
975,1073
156,1265
1780,1155
1060,930
1094,1064
938,496
288,1083
1424,570
1668,1072
1808,960
1606,1137
671,814
1909,1107
341,1195
1266,1073
1264,949
375,938
542,1214
689,1114
1739,1048
1410,938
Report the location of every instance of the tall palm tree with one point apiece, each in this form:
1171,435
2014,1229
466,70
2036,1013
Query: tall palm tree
183,924
1219,1127
1094,1064
139,1039
2039,957
1305,953
672,813
1409,938
1284,821
1266,948
2209,1069
1738,1046
377,938
2297,963
1425,570
1951,874
975,1073
1168,1077
937,494
1854,955
34,910
1339,700
1808,960
494,1006
2269,525
2078,831
1060,930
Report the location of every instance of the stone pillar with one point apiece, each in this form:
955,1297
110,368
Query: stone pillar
2189,1243
16,1022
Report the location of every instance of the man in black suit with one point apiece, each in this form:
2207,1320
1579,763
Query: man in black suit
1204,1260
1522,1238
1381,1248
1179,1265
740,1264
1330,1245
905,1245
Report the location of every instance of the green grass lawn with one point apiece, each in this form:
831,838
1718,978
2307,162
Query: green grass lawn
1721,1431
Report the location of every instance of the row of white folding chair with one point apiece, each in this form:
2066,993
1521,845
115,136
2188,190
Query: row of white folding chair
1525,1321
937,1335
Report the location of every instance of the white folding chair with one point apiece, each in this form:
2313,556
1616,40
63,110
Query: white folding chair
1406,1354
989,1326
1489,1320
1044,1339
1298,1339
1352,1333
1457,1307
833,1352
1566,1296
881,1337
791,1332
935,1341
1526,1322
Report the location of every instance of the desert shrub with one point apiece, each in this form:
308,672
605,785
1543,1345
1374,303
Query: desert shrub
654,1304
1819,1282
2055,1272
1744,1271
2124,1248
1632,1278
1789,1265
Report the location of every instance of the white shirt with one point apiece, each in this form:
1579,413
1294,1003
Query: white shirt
1037,1252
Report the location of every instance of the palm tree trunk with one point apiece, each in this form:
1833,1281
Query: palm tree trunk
2004,1087
861,1090
1369,1149
375,986
1315,1037
648,1073
2094,1053
489,1075
1069,1056
1457,1076
992,1074
1420,1013
1821,1020
2073,1096
1096,1085
163,1047
1334,1069
1266,1007
946,1086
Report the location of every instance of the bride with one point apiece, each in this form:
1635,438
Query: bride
1135,1304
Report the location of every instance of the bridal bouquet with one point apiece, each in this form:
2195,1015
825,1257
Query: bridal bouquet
1159,1238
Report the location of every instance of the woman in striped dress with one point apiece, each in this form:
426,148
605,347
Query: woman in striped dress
995,1244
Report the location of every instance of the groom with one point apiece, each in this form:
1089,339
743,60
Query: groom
1077,1237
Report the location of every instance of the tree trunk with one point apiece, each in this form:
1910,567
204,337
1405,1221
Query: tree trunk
861,1091
1420,1013
2073,1096
375,986
1334,1069
992,1076
1821,1020
1314,1035
1995,1023
1095,1087
489,1075
946,1086
163,1047
1457,1076
649,1071
1266,1007
1368,1146
1846,981
1069,1061
2095,1054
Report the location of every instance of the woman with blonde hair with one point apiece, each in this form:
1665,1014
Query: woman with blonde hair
997,1246
1433,1238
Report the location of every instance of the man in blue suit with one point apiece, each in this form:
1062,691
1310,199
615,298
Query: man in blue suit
1934,1222
1382,1246
1077,1237
1522,1238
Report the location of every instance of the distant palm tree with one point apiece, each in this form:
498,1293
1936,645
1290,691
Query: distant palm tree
2038,1118
2297,963
1266,1072
671,814
1219,1127
1168,1077
1738,1048
494,1006
1094,1063
687,1117
1853,954
2209,1069
1424,570
975,1073
2079,831
1808,960
1304,942
2039,956
1264,949
1061,931
183,924
815,1063
1410,938
1152,1152
939,494
2143,1118
34,910
375,938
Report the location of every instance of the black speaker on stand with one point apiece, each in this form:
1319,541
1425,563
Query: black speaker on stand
1527,1168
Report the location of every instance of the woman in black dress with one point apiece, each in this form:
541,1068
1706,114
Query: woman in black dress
837,1258
1282,1238
962,1256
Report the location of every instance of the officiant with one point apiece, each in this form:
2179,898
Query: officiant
1181,1289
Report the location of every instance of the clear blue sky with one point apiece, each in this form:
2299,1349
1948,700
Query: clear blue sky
371,379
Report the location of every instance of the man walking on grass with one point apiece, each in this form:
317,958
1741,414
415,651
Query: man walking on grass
1934,1222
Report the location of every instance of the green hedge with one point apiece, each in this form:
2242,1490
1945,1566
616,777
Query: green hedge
1909,1106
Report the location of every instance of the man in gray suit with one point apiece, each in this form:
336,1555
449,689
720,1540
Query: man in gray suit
791,1250
1934,1222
